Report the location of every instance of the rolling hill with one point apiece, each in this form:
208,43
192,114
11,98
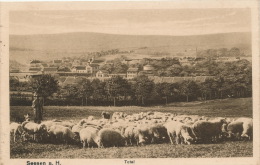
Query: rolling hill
72,44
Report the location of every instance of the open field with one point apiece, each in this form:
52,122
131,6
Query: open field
225,108
221,108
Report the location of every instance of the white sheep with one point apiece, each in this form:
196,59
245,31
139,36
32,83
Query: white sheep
34,129
16,130
61,133
89,135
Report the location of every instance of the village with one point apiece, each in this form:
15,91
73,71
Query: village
93,68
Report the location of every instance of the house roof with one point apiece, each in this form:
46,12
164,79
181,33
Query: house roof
35,62
35,69
97,61
80,67
44,65
14,70
132,70
50,69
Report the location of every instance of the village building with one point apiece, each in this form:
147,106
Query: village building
123,75
35,63
90,69
132,73
148,68
102,73
44,65
94,68
35,69
49,70
14,70
56,63
79,69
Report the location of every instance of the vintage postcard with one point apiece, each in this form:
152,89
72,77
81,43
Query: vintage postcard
120,82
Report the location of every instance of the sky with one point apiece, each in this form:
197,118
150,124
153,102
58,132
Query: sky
176,22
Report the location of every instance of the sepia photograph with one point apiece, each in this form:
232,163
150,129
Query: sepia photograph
128,81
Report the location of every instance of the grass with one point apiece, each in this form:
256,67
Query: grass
241,107
225,149
227,108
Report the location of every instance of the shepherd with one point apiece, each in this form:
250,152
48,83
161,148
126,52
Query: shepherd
37,106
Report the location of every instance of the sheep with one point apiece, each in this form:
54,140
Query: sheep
76,128
208,130
16,130
105,115
234,128
49,123
150,133
184,134
172,130
160,133
61,133
109,138
34,129
89,135
131,135
66,124
247,129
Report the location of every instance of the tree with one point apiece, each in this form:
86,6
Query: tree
108,67
14,83
120,68
143,87
206,88
164,90
44,85
234,52
188,88
117,86
98,89
85,90
174,70
70,91
223,52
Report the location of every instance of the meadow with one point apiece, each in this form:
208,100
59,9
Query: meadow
241,107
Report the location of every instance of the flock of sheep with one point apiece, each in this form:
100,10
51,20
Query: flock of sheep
121,129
